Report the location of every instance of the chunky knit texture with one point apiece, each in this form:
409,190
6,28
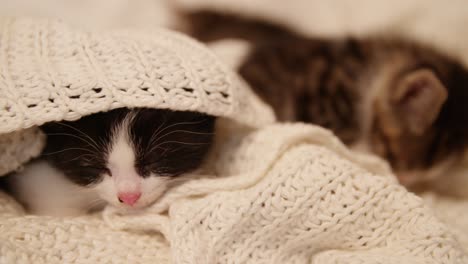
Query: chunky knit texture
289,194
51,72
285,193
19,147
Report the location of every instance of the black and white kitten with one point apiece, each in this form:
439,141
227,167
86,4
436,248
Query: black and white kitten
124,157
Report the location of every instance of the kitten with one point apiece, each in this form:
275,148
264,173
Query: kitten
403,101
124,157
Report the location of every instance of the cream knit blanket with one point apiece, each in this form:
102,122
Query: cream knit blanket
50,71
284,193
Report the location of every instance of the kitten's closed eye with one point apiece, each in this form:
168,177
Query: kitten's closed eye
96,170
78,148
172,146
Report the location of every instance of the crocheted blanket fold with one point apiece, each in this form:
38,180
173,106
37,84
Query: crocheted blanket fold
288,194
50,71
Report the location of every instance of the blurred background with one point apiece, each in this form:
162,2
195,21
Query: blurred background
442,23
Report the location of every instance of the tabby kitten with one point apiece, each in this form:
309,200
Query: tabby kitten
403,101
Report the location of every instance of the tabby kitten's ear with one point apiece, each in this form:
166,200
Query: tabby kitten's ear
418,98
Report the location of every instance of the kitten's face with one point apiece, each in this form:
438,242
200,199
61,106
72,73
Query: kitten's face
401,122
129,156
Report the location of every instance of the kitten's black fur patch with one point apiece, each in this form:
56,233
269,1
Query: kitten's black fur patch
80,148
177,143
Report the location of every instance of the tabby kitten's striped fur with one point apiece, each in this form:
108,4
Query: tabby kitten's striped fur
403,101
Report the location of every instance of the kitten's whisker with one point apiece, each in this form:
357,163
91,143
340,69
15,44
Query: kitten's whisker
184,131
155,133
178,131
83,133
168,149
165,150
180,123
85,159
67,149
163,168
94,203
179,142
74,136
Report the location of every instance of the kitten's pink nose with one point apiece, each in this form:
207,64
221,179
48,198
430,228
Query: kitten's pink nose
129,198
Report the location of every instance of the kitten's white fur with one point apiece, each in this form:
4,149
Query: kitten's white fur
46,191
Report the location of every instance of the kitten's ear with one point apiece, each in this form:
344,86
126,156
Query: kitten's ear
418,98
